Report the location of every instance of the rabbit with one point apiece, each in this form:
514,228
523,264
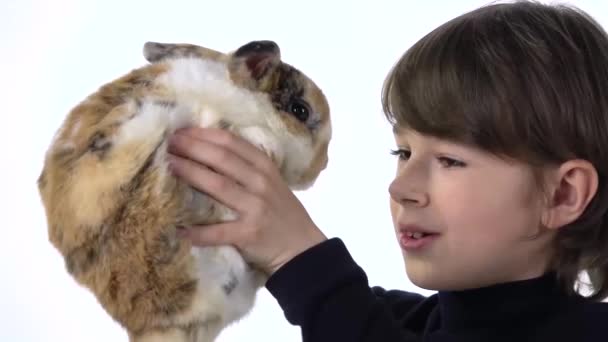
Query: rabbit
113,207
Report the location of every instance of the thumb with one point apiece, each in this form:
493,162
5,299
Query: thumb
209,235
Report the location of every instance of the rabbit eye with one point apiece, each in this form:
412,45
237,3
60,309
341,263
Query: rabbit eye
300,110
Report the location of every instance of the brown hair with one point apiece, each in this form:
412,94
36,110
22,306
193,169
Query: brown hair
521,80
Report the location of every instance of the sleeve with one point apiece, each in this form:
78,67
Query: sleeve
327,294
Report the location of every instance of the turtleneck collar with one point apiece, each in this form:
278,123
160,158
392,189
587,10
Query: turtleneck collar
519,302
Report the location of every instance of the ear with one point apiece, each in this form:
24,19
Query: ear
573,185
259,57
155,52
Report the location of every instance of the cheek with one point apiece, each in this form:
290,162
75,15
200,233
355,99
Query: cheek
489,209
394,207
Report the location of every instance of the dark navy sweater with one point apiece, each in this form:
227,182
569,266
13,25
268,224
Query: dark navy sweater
327,294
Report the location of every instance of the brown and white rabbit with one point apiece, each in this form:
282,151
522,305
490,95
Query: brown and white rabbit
112,206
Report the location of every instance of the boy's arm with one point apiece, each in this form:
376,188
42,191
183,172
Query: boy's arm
327,294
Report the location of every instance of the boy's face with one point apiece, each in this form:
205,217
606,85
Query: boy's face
482,213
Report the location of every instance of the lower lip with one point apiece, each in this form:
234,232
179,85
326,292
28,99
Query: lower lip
411,244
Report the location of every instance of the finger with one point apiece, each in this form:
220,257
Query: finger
220,159
211,235
211,155
219,187
234,143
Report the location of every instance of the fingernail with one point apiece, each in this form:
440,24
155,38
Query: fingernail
171,161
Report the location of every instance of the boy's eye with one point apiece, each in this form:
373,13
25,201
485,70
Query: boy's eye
449,162
446,162
401,153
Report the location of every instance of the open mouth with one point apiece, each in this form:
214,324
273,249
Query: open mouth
416,240
416,235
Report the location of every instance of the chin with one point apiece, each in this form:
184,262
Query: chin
429,278
425,282
421,275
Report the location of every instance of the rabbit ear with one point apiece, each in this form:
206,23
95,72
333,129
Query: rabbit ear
155,51
259,56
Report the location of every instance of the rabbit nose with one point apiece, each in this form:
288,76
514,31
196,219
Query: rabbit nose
259,46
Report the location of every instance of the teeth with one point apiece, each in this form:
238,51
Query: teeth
416,235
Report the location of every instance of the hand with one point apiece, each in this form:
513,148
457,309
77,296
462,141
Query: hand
272,225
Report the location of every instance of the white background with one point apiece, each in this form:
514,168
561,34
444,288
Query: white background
54,53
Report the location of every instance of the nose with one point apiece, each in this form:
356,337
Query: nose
408,190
